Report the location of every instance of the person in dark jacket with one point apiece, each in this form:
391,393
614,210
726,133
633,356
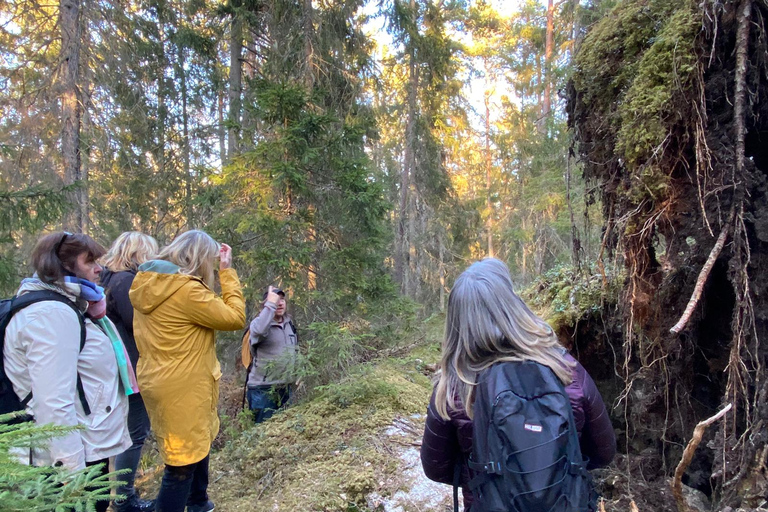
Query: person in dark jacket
484,314
274,346
122,261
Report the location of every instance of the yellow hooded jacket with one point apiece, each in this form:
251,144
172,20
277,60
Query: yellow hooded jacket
175,319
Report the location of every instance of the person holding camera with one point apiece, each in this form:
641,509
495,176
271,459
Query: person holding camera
274,345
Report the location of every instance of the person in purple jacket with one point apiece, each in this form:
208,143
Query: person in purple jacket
487,323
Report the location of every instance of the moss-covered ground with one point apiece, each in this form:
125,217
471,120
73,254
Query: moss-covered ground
329,452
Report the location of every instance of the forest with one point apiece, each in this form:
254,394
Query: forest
361,154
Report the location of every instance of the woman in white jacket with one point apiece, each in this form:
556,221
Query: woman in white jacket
42,356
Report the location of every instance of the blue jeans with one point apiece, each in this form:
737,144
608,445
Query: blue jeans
265,400
138,426
182,486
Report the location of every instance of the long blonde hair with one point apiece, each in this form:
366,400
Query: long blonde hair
195,253
130,250
487,323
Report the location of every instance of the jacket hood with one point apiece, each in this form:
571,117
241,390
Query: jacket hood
156,281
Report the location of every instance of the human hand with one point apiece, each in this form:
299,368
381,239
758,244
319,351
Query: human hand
225,257
272,296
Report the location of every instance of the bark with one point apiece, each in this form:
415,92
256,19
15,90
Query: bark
235,84
309,65
548,51
185,127
161,207
222,132
70,106
86,141
402,252
441,269
488,160
740,96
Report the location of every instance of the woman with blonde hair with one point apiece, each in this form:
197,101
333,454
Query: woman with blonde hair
175,319
121,263
487,324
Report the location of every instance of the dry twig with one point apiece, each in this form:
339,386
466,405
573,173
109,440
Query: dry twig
698,433
701,280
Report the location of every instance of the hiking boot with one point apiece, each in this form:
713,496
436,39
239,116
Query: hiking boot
134,504
205,507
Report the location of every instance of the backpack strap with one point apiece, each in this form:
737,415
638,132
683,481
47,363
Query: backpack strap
245,384
456,484
252,351
20,302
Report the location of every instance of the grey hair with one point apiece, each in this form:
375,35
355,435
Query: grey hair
487,323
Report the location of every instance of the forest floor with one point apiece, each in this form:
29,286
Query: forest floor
355,447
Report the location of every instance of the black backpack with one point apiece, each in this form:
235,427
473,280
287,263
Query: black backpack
525,447
9,401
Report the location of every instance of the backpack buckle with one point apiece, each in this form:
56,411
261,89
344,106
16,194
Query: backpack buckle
492,468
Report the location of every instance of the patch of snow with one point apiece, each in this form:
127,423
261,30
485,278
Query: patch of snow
420,492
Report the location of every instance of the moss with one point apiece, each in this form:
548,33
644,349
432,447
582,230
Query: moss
633,69
563,296
665,71
327,453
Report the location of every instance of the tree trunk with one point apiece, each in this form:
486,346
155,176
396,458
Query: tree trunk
548,50
86,140
403,249
488,160
235,84
222,132
185,121
441,269
309,32
161,207
69,12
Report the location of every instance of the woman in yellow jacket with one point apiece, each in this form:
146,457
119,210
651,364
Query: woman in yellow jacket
176,316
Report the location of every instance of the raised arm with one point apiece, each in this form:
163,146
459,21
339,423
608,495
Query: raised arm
225,313
260,325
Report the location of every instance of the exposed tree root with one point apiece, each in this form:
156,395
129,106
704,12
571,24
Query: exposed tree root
698,433
702,279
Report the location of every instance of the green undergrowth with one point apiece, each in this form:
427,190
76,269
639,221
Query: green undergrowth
330,451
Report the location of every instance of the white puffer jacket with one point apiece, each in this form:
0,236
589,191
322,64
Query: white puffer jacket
42,354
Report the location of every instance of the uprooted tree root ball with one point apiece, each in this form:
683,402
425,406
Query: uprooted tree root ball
669,112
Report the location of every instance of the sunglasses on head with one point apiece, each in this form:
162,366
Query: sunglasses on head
64,236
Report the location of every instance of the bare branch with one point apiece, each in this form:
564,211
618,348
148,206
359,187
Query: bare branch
698,433
702,279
